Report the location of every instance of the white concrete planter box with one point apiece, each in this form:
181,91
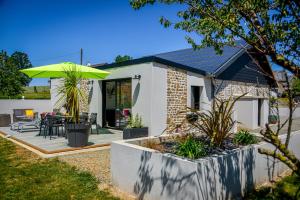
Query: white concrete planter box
149,174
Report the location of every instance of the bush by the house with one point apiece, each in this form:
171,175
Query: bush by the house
217,124
191,148
244,137
135,122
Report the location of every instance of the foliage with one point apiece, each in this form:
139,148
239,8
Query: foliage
70,94
25,176
34,89
191,148
244,137
135,122
120,58
192,117
217,123
282,151
11,79
285,189
271,27
296,86
43,92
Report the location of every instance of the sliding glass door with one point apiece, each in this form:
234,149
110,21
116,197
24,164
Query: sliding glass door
116,103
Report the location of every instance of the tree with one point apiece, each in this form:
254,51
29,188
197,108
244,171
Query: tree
271,27
11,79
282,151
120,58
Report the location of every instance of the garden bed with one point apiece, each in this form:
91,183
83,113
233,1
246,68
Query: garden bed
152,174
182,145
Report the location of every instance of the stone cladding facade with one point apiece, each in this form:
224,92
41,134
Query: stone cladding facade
176,96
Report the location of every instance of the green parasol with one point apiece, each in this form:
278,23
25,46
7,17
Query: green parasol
59,71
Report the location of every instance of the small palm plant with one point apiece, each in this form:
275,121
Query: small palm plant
217,123
71,94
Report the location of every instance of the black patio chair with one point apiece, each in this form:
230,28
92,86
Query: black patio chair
84,117
42,124
93,121
52,123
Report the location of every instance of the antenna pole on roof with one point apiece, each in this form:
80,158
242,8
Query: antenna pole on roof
81,54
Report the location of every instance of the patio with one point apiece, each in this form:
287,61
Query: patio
60,144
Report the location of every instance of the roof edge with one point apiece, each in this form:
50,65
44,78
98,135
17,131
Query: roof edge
151,59
231,60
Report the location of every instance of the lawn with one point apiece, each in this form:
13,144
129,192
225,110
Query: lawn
23,175
286,189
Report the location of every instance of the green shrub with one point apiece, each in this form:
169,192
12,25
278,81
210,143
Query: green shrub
244,137
135,122
191,148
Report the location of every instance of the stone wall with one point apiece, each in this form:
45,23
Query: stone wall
176,96
84,103
225,89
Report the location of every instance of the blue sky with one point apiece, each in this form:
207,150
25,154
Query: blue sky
52,31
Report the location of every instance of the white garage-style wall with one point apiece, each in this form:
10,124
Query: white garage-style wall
247,112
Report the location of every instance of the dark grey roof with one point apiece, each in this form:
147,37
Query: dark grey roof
204,61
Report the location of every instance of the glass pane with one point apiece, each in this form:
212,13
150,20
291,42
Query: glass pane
110,95
123,103
110,103
125,97
117,103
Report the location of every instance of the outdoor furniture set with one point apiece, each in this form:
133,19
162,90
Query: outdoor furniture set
49,124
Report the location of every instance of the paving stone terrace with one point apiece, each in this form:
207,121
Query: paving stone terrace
105,136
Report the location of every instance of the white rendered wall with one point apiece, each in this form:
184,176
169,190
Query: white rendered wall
54,83
38,105
150,174
141,91
158,99
95,105
194,79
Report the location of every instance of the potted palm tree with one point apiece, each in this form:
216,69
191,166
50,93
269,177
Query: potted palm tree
70,97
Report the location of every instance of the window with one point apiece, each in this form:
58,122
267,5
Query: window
195,97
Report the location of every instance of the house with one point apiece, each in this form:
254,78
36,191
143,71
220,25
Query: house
158,87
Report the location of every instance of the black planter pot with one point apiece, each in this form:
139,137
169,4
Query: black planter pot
78,134
129,133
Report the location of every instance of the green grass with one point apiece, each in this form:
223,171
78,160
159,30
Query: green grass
25,176
286,189
40,92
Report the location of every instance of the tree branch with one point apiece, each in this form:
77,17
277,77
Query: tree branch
280,157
